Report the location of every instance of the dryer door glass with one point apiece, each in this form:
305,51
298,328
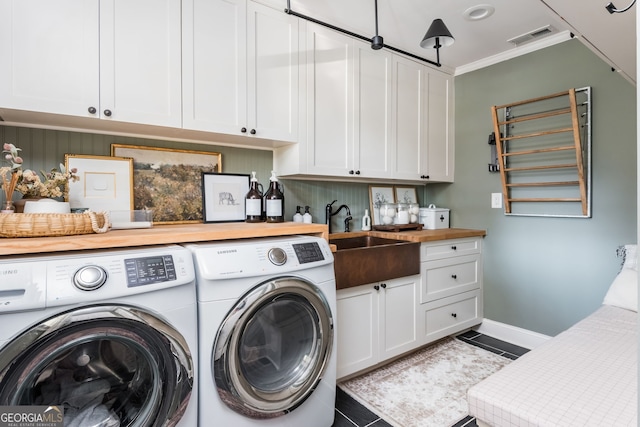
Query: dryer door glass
273,347
105,365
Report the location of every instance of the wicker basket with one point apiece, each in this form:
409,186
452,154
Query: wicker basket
47,224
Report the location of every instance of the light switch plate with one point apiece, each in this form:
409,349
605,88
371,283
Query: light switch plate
496,200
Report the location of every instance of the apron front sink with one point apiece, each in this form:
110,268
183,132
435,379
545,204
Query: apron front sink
367,259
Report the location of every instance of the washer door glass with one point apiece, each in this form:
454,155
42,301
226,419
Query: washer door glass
106,365
273,347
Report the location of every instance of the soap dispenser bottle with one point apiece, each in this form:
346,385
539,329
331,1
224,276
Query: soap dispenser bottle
274,200
306,218
366,221
297,217
253,201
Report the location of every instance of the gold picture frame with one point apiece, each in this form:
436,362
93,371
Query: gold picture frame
169,181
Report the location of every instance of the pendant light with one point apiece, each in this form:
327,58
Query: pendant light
442,38
377,42
437,36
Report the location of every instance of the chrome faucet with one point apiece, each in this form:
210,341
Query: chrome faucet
329,213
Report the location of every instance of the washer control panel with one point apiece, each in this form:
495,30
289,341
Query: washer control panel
308,252
149,270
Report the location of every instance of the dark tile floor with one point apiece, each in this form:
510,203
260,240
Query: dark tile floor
350,413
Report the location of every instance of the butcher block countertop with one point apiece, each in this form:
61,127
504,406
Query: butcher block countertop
157,235
188,233
417,235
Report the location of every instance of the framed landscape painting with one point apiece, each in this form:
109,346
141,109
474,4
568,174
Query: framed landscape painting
169,181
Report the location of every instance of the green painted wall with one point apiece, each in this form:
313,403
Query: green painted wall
544,274
44,149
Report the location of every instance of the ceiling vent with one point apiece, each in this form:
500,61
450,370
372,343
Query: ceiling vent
532,35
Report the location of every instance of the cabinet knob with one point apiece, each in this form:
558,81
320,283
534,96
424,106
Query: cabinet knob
243,130
383,285
252,131
454,315
453,248
376,287
454,276
92,110
357,172
107,113
351,172
424,176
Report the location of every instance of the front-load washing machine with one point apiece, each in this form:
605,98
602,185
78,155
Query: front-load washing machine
109,336
266,331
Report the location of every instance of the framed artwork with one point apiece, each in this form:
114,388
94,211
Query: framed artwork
379,195
405,194
223,196
168,181
105,183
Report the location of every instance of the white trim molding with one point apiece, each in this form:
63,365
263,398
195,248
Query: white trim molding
518,336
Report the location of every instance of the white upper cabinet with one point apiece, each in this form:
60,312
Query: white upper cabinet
140,61
91,58
440,146
409,118
371,115
50,55
240,69
330,86
373,154
348,110
423,122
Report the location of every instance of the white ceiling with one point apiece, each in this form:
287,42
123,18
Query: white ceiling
403,23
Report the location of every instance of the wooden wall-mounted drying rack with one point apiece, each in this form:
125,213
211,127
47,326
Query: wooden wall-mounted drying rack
543,147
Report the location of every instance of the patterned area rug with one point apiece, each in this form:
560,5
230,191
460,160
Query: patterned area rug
428,388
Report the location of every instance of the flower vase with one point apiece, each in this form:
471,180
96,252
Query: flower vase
7,207
19,204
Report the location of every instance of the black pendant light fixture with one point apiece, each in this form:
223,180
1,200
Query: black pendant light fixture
377,42
437,36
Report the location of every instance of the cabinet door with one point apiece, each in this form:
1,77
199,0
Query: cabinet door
398,316
330,85
50,56
214,65
358,343
140,61
409,118
372,149
440,128
272,85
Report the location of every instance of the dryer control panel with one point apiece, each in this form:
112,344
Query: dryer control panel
225,260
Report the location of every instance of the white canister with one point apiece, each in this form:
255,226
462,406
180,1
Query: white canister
434,218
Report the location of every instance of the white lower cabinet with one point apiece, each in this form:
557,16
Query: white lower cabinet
376,322
379,321
451,287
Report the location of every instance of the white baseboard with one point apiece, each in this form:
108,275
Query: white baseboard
518,336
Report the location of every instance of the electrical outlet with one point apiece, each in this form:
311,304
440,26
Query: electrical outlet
496,200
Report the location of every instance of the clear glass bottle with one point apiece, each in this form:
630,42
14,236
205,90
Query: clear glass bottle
414,213
274,201
253,201
402,216
387,213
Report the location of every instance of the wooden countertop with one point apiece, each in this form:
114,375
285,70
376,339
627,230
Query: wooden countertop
157,235
417,236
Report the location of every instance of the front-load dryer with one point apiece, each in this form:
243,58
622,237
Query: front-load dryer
266,331
110,336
